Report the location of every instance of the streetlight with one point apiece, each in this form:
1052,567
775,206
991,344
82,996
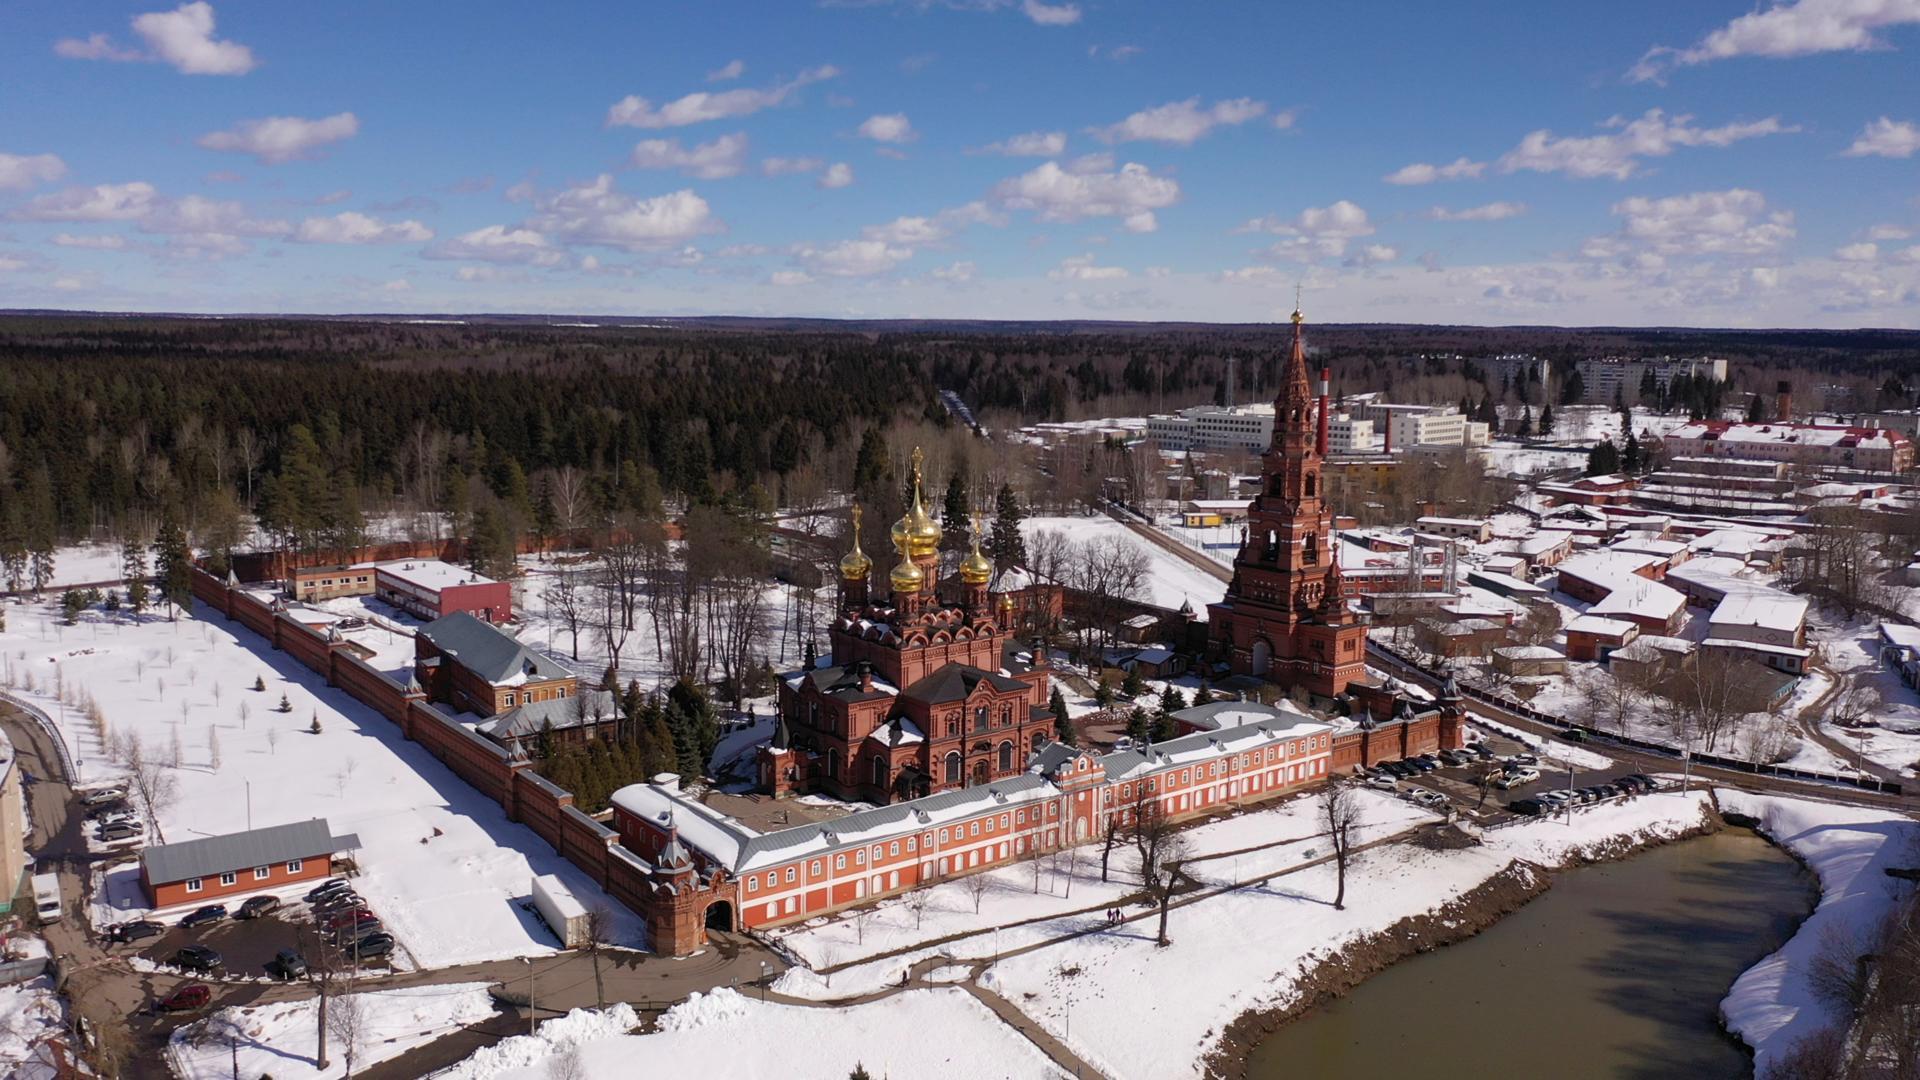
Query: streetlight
528,960
766,976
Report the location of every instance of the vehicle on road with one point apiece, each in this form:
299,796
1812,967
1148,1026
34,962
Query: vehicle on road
1482,751
287,965
1517,779
46,898
200,916
198,958
189,998
1524,759
257,906
137,930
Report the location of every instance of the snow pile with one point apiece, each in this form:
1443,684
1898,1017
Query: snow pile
556,1038
1244,950
280,1038
944,1033
29,1012
1170,581
1771,1005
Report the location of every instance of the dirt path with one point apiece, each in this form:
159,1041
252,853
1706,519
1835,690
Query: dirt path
1809,722
1155,536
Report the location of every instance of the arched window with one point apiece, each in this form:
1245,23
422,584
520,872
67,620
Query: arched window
1310,480
1039,740
980,718
953,767
1006,715
1312,553
879,772
1006,757
833,766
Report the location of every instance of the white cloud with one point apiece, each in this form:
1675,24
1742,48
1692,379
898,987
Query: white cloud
1885,137
1493,211
338,196
838,175
19,171
91,242
1617,153
275,140
702,106
1180,123
1910,255
1735,222
909,231
1372,255
1889,232
1784,30
1031,144
101,202
958,273
1862,252
397,285
728,71
785,166
888,128
789,278
1285,119
1085,189
723,157
1317,232
1050,14
1422,173
182,37
352,227
1082,268
497,244
594,213
194,215
852,258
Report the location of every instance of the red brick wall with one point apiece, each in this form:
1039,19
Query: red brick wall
537,804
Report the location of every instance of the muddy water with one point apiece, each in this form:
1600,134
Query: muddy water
1617,971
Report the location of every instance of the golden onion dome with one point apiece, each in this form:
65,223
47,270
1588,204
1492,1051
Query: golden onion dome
855,564
907,577
923,533
976,569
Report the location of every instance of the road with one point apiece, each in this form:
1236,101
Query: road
1156,537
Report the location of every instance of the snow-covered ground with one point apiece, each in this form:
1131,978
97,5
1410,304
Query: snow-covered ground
1512,459
440,863
921,1033
1772,1005
29,1012
1086,991
1171,580
279,1039
1853,650
1554,750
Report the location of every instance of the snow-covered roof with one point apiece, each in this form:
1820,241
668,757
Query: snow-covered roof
1765,609
1636,595
1529,652
1607,565
1900,634
1739,644
720,837
1595,624
1797,434
432,574
1543,541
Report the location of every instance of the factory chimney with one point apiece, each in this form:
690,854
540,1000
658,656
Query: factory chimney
1320,437
1784,397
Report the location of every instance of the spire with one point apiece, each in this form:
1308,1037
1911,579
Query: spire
782,737
1333,594
855,565
1293,406
976,569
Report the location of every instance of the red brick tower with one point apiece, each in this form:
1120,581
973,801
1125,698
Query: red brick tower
1285,617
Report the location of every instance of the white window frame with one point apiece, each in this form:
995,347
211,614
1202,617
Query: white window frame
194,884
262,873
293,866
229,878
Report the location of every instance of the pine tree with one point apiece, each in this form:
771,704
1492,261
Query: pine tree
1757,410
872,471
133,568
173,564
1103,693
261,684
71,605
1172,700
954,514
1139,724
543,742
1630,455
546,519
1005,545
1133,685
1603,459
1062,722
1202,696
1525,430
1546,419
1573,389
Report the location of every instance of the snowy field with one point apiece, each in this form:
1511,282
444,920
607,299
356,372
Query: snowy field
1772,1005
1171,580
1085,991
1853,649
278,1039
29,1011
921,1033
441,864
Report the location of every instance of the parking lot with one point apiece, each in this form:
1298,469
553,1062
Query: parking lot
247,947
1468,789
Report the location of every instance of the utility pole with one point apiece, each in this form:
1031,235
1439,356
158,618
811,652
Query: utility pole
1569,793
528,960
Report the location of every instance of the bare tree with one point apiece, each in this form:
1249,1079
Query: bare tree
1707,696
273,740
1110,573
565,602
917,900
1340,813
1160,848
155,783
348,1022
599,935
977,887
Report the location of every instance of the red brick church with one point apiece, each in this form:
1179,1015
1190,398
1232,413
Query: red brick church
922,693
1285,616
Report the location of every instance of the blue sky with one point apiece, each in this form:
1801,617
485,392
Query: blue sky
1628,163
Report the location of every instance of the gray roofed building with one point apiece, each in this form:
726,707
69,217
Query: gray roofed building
955,681
191,859
586,709
488,651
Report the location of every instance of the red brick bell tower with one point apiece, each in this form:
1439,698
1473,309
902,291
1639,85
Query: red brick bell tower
1285,617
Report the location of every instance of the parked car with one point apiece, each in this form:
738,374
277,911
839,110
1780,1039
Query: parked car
200,916
257,906
1574,735
287,965
106,811
1383,783
1429,798
103,796
1423,765
189,998
1523,759
375,947
1525,807
342,917
137,930
325,887
1516,779
107,815
198,958
120,830
1482,751
334,901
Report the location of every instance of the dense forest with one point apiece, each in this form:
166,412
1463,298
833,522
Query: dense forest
112,426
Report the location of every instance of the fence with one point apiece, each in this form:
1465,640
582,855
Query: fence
47,725
1866,783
